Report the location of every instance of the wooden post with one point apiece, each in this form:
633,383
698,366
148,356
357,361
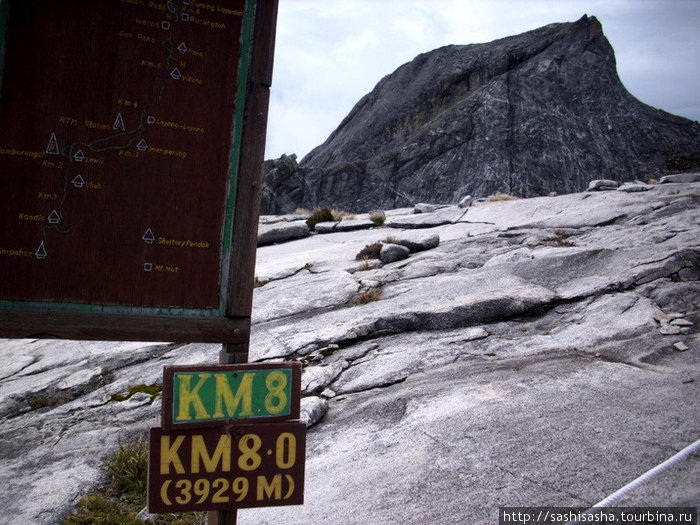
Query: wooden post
251,161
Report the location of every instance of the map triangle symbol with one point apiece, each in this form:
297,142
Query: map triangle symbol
52,147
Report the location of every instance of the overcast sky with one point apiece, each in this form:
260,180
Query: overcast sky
329,53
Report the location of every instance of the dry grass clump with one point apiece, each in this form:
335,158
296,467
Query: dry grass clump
326,214
560,240
378,218
121,501
498,196
319,215
368,296
371,251
653,181
366,265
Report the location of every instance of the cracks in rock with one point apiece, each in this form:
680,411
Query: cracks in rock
547,486
382,386
51,396
259,283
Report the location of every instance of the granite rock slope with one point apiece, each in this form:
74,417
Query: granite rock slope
525,115
544,352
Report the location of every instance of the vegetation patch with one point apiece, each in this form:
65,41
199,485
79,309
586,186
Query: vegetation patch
151,390
378,218
50,401
258,283
498,196
371,251
326,214
368,296
319,215
560,240
125,496
366,265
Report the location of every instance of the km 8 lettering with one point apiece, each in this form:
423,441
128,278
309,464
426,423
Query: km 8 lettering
205,396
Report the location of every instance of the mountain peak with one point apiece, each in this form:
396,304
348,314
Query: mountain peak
528,114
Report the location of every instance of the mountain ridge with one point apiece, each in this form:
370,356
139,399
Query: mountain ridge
528,114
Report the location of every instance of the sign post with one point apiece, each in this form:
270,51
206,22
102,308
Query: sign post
130,173
230,438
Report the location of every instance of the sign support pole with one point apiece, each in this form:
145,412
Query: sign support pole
252,157
229,354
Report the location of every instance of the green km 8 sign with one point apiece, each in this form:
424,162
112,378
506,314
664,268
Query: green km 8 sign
196,396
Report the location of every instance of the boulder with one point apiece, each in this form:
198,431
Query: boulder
417,242
680,177
281,232
602,185
466,202
631,187
325,227
393,252
423,207
427,220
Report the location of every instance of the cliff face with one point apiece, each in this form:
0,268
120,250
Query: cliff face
529,114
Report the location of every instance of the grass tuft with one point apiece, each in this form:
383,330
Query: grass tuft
326,214
125,496
368,296
378,218
498,196
50,401
371,251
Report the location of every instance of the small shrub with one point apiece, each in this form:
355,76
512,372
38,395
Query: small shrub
326,214
369,296
319,215
371,251
378,218
390,240
258,283
498,196
653,181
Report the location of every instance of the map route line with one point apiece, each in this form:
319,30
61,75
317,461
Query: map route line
69,151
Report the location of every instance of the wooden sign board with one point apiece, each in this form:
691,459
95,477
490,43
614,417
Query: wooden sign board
127,158
219,469
201,396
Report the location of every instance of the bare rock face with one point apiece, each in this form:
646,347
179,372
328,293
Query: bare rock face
527,115
524,340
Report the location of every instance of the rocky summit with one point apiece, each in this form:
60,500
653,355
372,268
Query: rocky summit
525,115
539,351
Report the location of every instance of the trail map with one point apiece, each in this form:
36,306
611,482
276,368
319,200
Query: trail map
118,152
